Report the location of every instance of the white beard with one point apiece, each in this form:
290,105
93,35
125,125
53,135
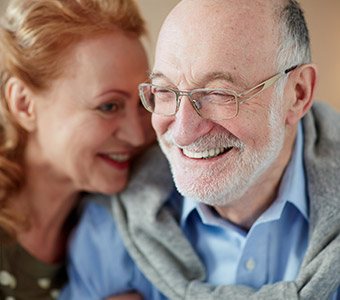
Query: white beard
231,179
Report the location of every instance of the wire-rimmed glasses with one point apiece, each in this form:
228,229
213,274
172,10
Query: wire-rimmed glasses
214,104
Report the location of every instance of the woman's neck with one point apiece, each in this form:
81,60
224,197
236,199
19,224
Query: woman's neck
47,203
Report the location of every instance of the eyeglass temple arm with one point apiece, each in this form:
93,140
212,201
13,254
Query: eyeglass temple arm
265,84
290,69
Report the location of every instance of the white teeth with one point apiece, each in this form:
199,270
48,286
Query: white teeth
119,157
204,154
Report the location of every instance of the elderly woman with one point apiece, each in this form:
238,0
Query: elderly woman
70,123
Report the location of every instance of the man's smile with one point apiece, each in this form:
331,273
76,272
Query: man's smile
206,154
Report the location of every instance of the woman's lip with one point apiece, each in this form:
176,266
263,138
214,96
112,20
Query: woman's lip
120,165
120,157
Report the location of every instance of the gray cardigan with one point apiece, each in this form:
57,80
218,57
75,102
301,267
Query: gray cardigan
156,243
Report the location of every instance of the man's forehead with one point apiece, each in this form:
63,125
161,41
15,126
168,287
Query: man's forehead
199,19
213,38
225,5
199,78
209,10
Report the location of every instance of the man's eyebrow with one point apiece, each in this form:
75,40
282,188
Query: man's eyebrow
207,78
212,76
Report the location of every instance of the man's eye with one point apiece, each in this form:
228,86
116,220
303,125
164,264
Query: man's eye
217,97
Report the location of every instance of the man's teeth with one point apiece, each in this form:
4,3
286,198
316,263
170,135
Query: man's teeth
204,154
119,157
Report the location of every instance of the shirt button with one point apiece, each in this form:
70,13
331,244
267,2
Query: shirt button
8,279
44,283
250,264
55,294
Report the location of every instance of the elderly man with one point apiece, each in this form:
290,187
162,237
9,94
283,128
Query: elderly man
256,166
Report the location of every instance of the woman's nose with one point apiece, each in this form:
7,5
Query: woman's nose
132,128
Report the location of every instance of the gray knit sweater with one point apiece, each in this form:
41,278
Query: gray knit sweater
156,243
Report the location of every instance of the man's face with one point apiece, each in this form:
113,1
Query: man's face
218,161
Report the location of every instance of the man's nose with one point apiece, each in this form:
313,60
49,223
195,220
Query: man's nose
188,125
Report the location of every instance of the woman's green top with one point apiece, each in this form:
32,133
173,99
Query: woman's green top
23,277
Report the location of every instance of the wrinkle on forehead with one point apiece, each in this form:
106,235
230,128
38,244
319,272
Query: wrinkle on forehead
240,23
205,37
203,80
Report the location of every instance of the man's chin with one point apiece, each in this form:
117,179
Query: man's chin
197,191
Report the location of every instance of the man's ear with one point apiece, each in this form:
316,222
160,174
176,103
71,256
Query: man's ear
301,93
21,103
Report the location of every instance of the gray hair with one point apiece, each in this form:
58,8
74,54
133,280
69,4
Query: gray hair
294,40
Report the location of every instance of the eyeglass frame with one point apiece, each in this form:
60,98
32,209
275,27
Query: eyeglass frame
265,84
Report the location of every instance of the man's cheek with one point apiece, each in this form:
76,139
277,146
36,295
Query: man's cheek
159,124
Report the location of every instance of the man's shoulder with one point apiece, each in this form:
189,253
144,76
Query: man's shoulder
322,159
99,260
322,131
97,209
324,117
96,227
96,242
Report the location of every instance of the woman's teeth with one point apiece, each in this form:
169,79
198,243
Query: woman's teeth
205,154
119,157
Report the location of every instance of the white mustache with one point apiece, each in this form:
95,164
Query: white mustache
209,141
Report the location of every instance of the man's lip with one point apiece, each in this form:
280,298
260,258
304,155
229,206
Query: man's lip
206,155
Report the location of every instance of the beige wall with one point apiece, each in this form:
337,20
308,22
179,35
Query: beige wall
324,24
155,12
3,4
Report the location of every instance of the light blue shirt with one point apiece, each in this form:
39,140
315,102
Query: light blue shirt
271,251
99,264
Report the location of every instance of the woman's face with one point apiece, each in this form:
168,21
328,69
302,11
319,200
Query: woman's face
90,123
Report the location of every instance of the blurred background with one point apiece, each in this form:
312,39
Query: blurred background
324,26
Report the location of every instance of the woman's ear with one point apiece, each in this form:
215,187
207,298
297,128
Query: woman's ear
21,103
304,80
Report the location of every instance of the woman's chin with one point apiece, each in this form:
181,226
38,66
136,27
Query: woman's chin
111,188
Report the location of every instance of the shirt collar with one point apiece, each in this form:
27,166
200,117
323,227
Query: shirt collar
188,206
293,184
292,189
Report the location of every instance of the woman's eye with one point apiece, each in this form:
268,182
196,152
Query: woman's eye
111,107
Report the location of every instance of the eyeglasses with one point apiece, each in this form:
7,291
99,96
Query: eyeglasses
214,104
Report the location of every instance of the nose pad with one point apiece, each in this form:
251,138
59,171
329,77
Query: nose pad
194,103
188,125
197,105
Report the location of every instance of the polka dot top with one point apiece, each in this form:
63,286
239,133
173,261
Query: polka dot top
23,277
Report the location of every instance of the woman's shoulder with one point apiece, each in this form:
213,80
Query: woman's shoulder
25,277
